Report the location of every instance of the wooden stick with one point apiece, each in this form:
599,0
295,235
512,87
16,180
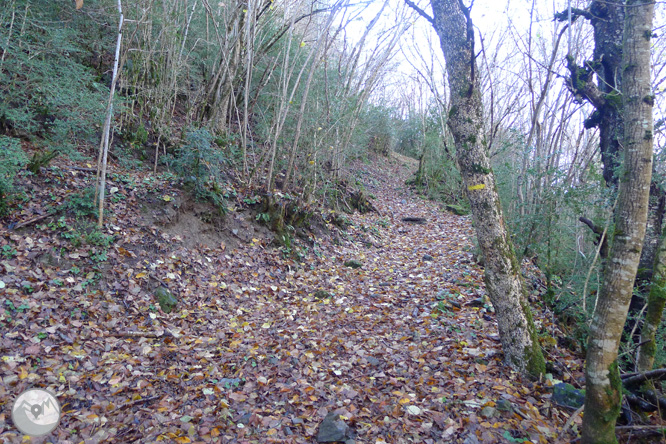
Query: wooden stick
141,334
31,221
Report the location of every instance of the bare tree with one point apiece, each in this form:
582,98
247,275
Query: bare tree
104,145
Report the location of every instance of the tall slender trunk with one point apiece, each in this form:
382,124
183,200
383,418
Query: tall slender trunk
603,386
104,145
654,311
504,283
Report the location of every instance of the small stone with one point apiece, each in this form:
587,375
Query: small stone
566,395
488,412
413,410
373,361
427,257
478,302
504,405
457,210
321,294
245,419
227,383
166,300
353,263
471,439
332,429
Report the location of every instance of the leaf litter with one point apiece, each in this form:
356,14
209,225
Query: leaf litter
262,347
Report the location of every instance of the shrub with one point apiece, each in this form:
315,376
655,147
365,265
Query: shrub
82,204
48,91
12,160
201,164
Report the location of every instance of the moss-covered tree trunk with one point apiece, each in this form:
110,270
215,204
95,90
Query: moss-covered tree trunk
655,309
502,271
603,386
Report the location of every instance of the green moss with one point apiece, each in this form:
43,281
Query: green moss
613,392
649,100
453,111
480,169
536,363
614,99
648,135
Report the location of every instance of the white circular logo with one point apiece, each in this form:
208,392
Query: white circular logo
36,412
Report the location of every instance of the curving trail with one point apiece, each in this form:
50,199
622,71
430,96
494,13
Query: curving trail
255,355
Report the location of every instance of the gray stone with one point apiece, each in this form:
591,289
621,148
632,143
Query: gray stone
245,419
566,395
504,405
373,361
478,302
471,439
332,429
427,257
166,300
488,412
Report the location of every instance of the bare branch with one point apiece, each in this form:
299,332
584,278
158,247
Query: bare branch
421,12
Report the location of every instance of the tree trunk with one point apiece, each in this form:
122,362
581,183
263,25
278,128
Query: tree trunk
655,308
603,386
104,145
502,270
607,19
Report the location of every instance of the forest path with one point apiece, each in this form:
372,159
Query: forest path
254,353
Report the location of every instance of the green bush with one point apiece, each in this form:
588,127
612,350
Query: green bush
82,204
48,90
12,160
201,164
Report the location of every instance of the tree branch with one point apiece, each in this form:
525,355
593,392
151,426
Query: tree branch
580,83
575,13
658,374
421,12
603,252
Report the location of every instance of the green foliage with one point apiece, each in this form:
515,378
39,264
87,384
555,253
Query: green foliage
40,160
202,165
7,251
12,160
48,91
420,137
97,238
81,204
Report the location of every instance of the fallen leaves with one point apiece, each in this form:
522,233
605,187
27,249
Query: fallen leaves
263,347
